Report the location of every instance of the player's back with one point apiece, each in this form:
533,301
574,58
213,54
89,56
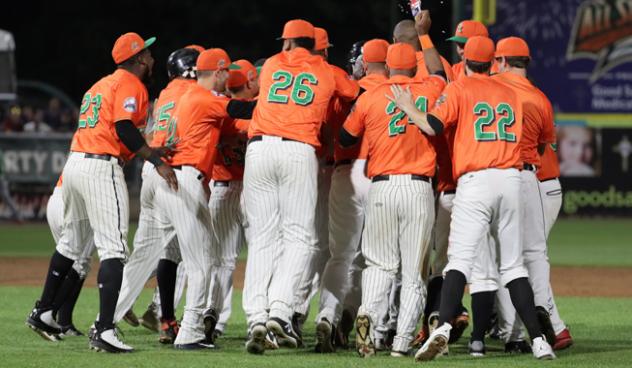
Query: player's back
296,87
537,113
116,97
164,108
395,145
489,125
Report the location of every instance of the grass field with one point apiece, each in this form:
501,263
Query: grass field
601,327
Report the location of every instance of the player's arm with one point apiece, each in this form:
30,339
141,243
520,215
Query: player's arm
428,124
431,55
347,89
240,109
353,127
547,134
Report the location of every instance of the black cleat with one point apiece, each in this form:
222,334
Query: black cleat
43,323
284,332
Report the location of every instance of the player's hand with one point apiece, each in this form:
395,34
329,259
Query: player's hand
165,152
403,98
423,22
169,175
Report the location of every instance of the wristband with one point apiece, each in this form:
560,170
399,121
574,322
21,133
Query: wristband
155,159
426,42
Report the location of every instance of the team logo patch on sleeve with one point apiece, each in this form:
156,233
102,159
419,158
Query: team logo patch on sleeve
440,100
129,104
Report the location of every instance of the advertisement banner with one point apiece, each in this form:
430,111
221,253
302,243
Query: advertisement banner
33,158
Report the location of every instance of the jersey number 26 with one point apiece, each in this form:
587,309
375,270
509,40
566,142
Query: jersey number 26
302,93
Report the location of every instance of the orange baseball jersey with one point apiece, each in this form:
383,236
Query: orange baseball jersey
346,88
371,81
458,70
488,119
165,105
538,125
229,163
550,168
198,121
396,146
116,97
295,89
422,71
444,147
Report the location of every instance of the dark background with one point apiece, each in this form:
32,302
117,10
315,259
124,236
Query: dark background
68,44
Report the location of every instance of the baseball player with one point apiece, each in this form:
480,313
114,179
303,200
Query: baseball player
405,32
347,201
94,191
280,183
197,121
400,210
346,91
225,203
465,29
488,118
153,233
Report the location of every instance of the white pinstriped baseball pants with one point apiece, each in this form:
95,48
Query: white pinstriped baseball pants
347,202
399,218
280,190
187,211
96,206
55,218
228,222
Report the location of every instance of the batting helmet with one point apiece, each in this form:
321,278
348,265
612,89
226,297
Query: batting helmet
181,63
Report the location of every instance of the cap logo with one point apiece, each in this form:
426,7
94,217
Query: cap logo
134,45
221,63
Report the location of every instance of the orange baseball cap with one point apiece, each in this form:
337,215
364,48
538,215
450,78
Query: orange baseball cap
374,51
297,28
512,46
322,39
213,59
236,78
129,45
246,68
480,49
199,48
401,56
467,29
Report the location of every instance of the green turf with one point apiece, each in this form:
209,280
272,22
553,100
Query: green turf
601,334
573,242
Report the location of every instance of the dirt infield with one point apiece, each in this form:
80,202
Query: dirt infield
567,281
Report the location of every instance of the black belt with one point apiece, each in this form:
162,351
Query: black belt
412,177
528,167
343,162
103,157
451,191
221,183
549,179
179,167
258,138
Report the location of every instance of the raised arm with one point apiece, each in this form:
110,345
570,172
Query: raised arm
431,55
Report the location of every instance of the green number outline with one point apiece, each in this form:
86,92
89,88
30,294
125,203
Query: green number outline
90,121
393,129
505,121
280,85
308,93
479,133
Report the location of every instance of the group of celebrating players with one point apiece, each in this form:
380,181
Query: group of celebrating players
386,190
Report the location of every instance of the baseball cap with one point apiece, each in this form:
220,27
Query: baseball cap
479,49
297,28
236,78
199,48
467,29
322,39
512,46
245,67
213,59
374,51
401,56
129,45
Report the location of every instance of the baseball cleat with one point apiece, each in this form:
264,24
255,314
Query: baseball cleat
44,324
460,323
546,327
541,349
399,354
271,342
168,331
563,340
108,341
325,337
200,345
70,330
344,329
476,348
284,332
210,321
298,320
364,341
131,319
149,320
517,347
435,345
256,342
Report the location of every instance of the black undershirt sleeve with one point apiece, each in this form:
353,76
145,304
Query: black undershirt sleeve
238,109
346,139
129,135
435,124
